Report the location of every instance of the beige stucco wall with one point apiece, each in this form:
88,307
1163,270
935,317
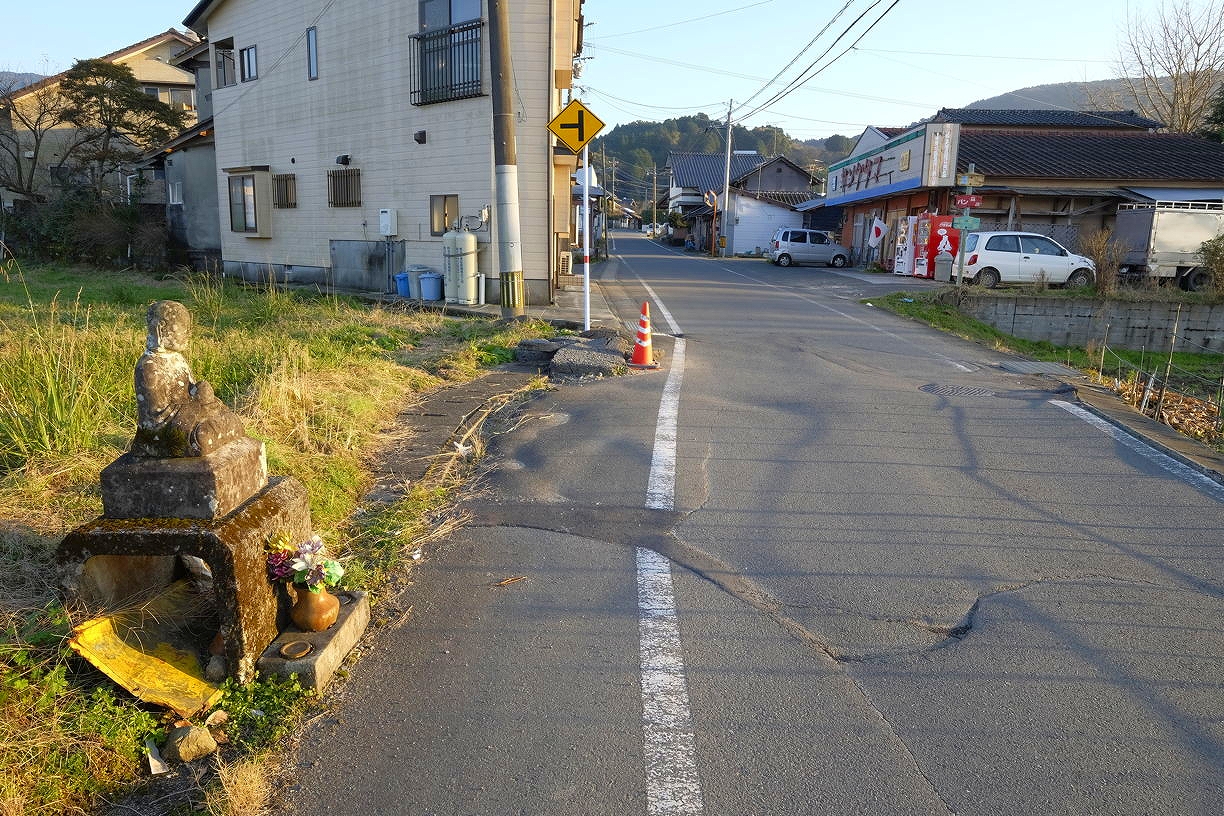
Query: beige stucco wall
360,106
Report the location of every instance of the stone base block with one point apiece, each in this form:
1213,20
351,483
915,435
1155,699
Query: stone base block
193,487
327,649
251,608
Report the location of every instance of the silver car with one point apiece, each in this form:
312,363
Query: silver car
791,245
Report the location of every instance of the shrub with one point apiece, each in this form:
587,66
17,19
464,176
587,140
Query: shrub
1212,253
1106,253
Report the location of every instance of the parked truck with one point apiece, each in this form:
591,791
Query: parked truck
1162,240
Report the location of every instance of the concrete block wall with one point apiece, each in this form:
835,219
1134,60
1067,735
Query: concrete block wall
1137,326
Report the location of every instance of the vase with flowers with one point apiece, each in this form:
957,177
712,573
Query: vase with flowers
306,566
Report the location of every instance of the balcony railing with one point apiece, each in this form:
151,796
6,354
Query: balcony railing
446,64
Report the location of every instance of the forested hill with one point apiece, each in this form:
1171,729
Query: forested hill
639,145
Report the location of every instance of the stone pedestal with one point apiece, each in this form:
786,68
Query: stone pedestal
328,648
109,556
188,487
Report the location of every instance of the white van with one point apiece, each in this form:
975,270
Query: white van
790,245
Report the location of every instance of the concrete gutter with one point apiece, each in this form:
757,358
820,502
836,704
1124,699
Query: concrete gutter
1110,407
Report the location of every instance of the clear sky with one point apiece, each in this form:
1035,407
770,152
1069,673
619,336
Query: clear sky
654,60
651,60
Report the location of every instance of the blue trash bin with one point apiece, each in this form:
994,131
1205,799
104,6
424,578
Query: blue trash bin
401,285
431,286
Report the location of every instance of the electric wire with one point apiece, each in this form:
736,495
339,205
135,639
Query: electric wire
809,74
802,51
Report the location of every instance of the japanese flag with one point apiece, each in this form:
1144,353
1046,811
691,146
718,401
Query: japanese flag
877,233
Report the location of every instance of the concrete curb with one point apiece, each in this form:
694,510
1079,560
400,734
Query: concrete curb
1190,452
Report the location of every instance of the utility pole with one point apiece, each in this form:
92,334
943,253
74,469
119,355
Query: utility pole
505,161
654,199
722,229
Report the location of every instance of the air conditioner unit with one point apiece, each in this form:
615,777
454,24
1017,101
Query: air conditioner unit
563,263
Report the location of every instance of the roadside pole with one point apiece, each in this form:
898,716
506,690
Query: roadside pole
586,238
966,222
505,160
722,229
575,126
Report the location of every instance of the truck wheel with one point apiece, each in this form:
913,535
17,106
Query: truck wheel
1197,279
1079,279
989,277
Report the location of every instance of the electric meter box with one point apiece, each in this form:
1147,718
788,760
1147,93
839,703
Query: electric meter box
388,222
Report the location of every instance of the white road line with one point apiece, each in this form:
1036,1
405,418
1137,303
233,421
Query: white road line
1184,472
672,785
661,484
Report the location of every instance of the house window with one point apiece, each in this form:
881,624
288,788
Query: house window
226,72
250,64
250,200
344,187
446,57
182,99
242,204
312,53
150,92
284,191
174,192
443,213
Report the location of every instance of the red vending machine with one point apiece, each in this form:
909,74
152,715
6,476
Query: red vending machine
933,234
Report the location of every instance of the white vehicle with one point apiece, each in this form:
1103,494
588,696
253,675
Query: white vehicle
992,258
799,246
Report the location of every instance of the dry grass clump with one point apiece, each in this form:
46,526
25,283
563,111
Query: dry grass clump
242,788
1106,254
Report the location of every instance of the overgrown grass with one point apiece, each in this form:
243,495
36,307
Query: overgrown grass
315,377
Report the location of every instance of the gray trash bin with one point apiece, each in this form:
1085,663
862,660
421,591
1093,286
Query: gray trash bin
415,271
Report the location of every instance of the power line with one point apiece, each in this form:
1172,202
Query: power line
961,55
705,69
690,20
809,74
802,51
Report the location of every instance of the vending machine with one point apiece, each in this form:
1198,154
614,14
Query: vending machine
932,235
903,256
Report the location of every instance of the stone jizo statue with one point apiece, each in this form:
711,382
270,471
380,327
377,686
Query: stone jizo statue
176,415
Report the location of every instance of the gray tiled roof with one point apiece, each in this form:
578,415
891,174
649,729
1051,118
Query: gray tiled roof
787,198
1101,157
1046,118
704,171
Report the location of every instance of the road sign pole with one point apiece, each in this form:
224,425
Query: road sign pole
586,239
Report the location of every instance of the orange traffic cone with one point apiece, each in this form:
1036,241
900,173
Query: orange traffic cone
643,352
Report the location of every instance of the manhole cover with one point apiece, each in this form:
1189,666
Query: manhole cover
956,390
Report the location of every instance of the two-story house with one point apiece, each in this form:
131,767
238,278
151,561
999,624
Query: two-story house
35,137
350,137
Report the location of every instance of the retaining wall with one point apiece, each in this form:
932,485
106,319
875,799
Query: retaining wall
1135,326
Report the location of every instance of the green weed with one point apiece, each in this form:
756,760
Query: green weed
264,711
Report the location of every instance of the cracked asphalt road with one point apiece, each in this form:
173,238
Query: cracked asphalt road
891,598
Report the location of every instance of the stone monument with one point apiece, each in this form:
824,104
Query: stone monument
192,495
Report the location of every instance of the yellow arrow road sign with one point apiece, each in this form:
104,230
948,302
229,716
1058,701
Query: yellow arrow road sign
575,125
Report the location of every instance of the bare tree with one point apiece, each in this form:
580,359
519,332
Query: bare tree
29,116
1171,62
